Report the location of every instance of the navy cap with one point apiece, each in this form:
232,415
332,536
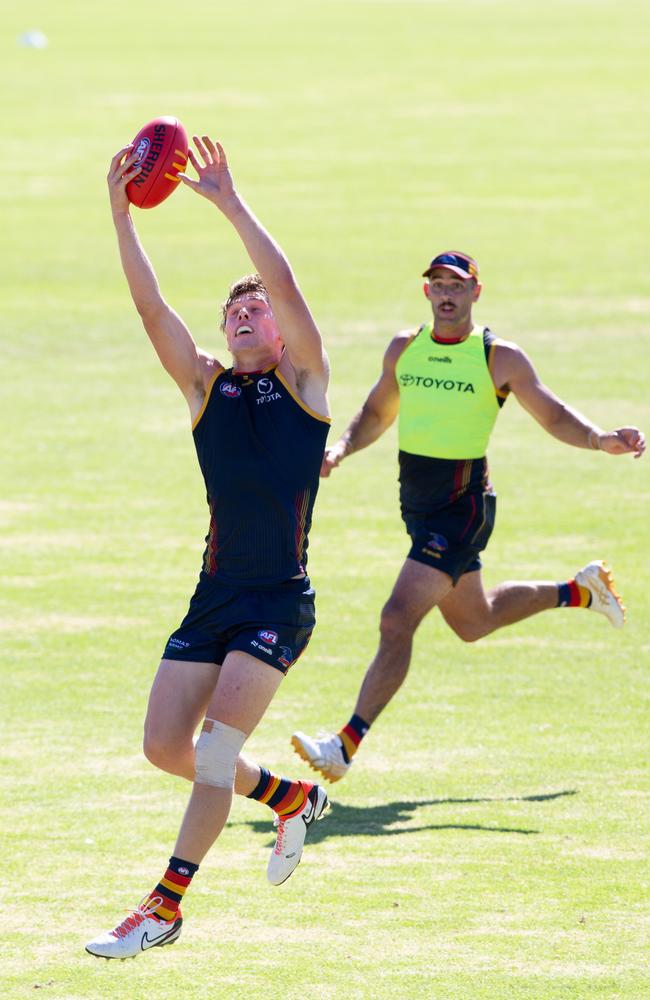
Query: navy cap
459,263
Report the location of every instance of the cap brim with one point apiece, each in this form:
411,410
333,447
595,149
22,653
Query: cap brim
448,267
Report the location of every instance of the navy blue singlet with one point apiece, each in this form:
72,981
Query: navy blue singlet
260,450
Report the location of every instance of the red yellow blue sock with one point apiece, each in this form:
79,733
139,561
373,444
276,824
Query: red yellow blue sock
351,736
282,795
572,595
172,887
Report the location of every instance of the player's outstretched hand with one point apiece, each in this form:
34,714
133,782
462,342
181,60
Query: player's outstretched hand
120,172
215,181
623,441
333,456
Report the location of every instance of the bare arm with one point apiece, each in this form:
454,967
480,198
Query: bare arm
300,334
513,369
377,413
170,337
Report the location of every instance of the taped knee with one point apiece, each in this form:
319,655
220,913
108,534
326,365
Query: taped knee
215,754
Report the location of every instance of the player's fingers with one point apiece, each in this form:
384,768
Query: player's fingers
209,145
120,153
130,160
202,150
330,462
193,160
115,167
130,174
630,436
223,160
125,172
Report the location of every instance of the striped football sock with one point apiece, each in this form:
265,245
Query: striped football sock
172,887
282,795
572,595
351,736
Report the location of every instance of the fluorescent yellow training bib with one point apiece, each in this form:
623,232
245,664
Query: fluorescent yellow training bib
448,401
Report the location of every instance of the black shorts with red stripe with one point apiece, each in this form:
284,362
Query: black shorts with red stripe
449,508
273,623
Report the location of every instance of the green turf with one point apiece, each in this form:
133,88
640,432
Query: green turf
492,840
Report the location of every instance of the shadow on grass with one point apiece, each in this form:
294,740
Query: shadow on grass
383,820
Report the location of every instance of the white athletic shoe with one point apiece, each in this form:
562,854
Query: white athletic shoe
598,580
323,753
292,831
137,933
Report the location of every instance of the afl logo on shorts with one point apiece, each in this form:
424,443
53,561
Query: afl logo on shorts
438,542
229,390
266,635
142,150
265,386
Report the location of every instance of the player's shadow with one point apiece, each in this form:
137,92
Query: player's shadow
386,820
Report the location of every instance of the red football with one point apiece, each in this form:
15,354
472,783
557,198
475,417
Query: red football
162,152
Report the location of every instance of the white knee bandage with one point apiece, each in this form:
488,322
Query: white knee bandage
216,752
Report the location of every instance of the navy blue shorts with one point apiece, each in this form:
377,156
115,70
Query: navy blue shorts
274,624
451,539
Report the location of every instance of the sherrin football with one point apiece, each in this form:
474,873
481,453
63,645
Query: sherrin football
161,146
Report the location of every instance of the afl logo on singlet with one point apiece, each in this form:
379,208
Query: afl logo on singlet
229,390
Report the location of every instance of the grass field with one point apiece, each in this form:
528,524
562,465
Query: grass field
492,840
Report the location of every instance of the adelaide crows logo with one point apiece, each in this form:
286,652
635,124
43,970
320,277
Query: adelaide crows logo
230,390
437,542
286,659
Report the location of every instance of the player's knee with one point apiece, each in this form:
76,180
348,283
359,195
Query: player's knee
396,624
216,752
468,631
158,750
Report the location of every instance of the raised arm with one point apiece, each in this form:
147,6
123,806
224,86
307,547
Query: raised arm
300,334
377,413
512,369
173,342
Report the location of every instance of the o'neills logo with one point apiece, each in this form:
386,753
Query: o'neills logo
448,384
149,153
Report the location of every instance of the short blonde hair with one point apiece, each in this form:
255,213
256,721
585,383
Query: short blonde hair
250,284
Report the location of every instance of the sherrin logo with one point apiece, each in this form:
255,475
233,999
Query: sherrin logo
229,390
